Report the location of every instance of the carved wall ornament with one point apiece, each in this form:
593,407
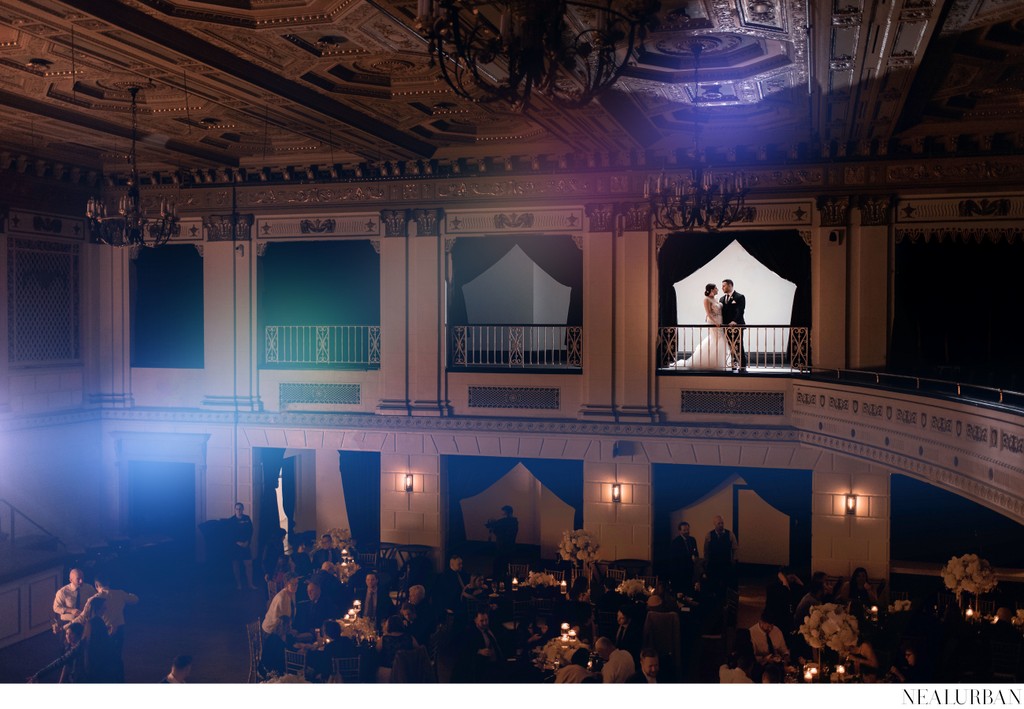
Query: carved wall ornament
659,240
375,243
874,210
199,249
835,211
962,234
513,221
317,226
577,239
219,226
261,248
808,236
427,221
449,243
984,208
601,217
394,221
637,217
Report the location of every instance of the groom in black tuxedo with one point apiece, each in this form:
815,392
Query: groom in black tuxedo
733,305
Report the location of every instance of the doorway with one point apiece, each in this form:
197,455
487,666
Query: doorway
162,503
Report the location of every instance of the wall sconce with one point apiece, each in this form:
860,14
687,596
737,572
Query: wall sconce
408,482
851,504
616,492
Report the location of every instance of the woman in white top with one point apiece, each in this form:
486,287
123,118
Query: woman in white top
711,352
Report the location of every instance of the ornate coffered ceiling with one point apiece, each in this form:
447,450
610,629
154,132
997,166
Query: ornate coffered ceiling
298,88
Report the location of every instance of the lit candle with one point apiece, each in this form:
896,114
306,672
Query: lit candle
970,613
808,676
515,583
565,628
572,635
565,589
841,669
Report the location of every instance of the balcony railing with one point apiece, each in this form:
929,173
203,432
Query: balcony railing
706,348
322,345
516,346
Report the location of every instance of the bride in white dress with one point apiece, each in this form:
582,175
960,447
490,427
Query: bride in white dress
711,352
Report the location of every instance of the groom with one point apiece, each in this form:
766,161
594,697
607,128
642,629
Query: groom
733,305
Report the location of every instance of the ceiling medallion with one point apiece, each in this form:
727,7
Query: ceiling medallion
505,50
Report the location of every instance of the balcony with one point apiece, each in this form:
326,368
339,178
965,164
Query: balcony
322,346
702,348
515,347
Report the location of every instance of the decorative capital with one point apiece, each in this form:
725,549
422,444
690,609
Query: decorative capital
601,217
449,243
427,221
637,217
875,210
261,248
199,248
3,218
375,243
394,221
835,211
219,227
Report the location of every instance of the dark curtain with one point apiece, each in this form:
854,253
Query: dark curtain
558,256
784,252
268,462
319,283
471,475
678,486
288,492
166,308
956,313
360,481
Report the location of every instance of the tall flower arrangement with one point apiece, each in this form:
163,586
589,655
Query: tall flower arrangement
968,573
830,626
342,539
579,547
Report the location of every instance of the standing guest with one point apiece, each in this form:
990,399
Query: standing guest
102,661
338,593
424,618
241,550
781,596
576,671
70,599
630,634
684,557
393,640
116,600
618,664
72,662
720,547
649,668
302,564
504,530
181,668
451,586
281,604
274,645
377,605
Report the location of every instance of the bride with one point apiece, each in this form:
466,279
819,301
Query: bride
711,352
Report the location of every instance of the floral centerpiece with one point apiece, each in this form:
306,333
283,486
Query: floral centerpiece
580,548
344,571
359,629
968,573
274,678
899,606
633,588
539,580
830,626
341,538
1018,618
557,652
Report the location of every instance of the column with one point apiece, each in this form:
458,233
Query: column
869,284
598,315
229,311
394,316
106,341
426,268
636,323
828,283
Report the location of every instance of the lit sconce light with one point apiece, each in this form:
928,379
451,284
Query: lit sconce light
851,504
408,482
616,492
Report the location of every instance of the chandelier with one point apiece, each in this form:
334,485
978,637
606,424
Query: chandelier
699,197
130,226
570,51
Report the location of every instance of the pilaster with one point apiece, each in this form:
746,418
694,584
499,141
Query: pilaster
426,268
598,314
107,312
869,284
394,318
829,282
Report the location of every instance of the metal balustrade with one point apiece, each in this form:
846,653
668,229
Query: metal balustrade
322,345
709,348
515,346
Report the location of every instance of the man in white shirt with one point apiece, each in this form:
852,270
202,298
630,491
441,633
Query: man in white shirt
281,604
70,599
113,614
769,645
618,664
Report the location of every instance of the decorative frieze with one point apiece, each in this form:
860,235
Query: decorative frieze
544,220
365,224
19,221
228,227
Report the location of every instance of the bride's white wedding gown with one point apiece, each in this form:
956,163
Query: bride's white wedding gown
711,353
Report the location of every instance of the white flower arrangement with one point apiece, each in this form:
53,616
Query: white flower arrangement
557,652
633,588
578,546
899,606
536,580
274,678
345,570
1018,618
830,626
342,539
968,573
361,630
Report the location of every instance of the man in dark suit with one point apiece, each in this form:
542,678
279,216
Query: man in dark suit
733,306
684,555
630,634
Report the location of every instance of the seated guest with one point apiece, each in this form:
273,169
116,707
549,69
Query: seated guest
281,604
339,594
610,600
815,596
864,658
394,639
906,668
424,619
481,658
317,608
630,634
274,645
858,589
578,611
649,668
576,671
538,634
768,644
773,674
618,664
731,672
334,646
181,668
326,551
